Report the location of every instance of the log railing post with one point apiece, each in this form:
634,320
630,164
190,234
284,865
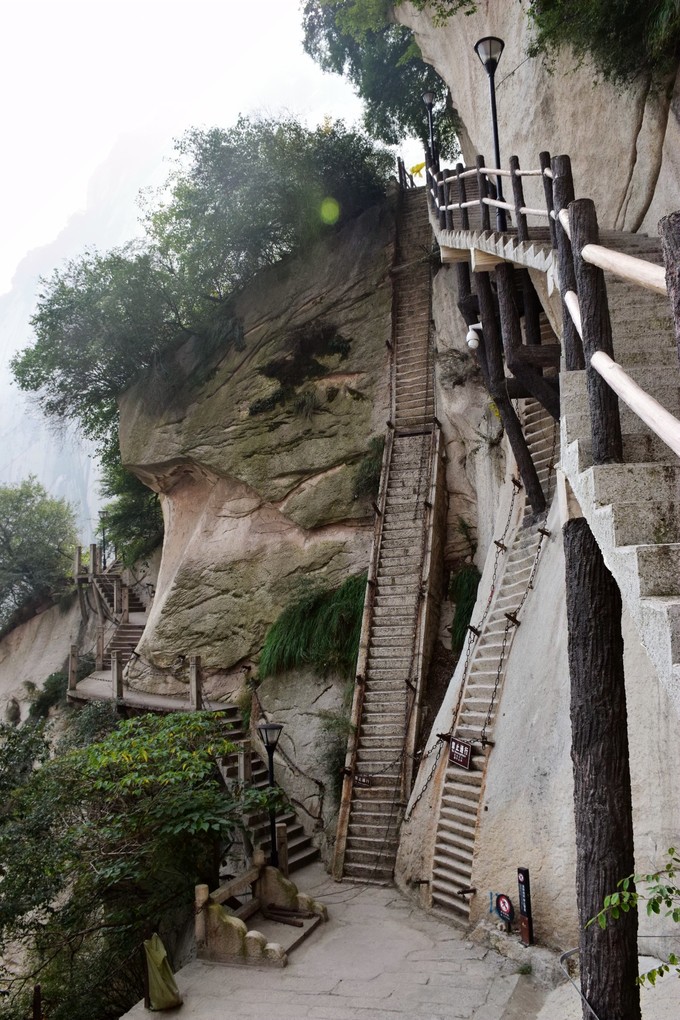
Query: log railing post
245,764
483,186
448,199
117,593
464,216
116,675
282,847
99,651
195,693
596,331
602,790
563,195
94,558
441,199
518,197
73,667
669,230
125,604
201,898
78,561
548,191
490,341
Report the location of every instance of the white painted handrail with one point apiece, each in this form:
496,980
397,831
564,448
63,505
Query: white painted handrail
570,299
628,267
649,410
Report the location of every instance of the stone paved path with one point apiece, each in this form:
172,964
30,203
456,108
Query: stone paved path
381,958
377,958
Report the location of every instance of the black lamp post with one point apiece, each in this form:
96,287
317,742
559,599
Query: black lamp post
269,734
102,520
428,99
489,52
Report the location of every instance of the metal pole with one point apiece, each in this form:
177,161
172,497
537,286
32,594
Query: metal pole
501,221
430,128
274,854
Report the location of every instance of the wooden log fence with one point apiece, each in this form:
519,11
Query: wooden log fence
581,262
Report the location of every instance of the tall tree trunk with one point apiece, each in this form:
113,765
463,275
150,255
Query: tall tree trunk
602,797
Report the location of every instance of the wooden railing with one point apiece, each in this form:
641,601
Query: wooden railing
580,261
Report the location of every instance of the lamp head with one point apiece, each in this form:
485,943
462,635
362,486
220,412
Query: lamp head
489,51
269,734
428,98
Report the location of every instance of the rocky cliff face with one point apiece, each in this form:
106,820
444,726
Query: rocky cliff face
255,453
623,144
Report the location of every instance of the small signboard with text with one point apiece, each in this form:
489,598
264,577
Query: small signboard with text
526,924
460,753
361,779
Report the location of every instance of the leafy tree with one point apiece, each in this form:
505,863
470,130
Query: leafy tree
37,542
134,519
661,892
359,39
625,38
123,829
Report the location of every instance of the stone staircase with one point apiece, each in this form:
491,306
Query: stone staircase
375,809
128,633
633,509
462,790
301,850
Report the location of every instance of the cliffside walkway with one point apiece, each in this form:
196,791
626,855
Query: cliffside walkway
617,341
403,585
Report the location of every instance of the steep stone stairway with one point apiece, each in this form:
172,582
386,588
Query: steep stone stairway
367,844
483,685
129,630
634,508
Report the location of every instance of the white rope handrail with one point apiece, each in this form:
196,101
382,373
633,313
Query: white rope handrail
570,298
628,267
650,411
527,211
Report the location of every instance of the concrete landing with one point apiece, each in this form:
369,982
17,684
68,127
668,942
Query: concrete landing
381,958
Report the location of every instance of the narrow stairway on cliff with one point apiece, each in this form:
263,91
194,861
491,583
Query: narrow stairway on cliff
385,706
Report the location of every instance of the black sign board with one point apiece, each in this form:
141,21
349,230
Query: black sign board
504,908
361,780
526,923
460,753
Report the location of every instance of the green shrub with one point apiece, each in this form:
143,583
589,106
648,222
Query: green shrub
463,592
320,630
367,481
53,693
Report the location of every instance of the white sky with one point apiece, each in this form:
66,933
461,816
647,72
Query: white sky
80,77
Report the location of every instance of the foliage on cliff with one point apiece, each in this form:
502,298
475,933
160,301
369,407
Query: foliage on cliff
320,630
37,543
122,829
358,39
236,201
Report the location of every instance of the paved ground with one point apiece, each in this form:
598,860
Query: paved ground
380,958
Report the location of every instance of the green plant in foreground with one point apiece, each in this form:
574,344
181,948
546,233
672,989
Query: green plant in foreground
661,892
463,592
320,630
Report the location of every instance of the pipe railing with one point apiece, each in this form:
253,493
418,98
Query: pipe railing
630,268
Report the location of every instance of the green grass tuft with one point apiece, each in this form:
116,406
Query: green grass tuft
463,593
320,630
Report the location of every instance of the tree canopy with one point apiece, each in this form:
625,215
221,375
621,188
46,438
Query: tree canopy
37,543
237,200
102,844
360,40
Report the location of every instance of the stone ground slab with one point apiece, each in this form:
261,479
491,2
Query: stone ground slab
381,958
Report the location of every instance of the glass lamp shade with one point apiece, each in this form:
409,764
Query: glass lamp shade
428,98
489,51
270,733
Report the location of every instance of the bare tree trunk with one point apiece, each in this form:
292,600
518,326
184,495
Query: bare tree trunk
602,797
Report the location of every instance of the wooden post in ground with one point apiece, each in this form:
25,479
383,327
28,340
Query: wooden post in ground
116,675
94,558
99,652
669,229
602,795
442,194
511,330
464,214
195,694
518,196
73,667
117,596
596,329
201,897
124,604
549,192
245,765
563,194
78,561
282,847
492,346
483,185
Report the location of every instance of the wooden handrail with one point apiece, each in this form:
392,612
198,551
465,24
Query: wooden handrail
628,267
661,422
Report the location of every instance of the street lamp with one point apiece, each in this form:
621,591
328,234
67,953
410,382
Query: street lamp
102,521
269,734
489,52
428,99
